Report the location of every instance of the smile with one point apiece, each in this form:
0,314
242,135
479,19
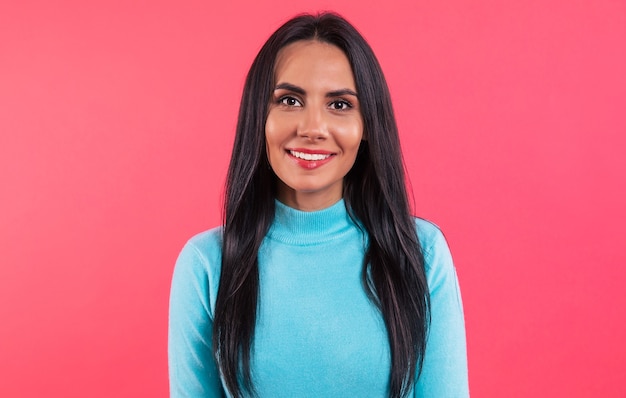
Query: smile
310,156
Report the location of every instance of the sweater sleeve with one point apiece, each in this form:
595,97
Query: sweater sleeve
444,372
192,368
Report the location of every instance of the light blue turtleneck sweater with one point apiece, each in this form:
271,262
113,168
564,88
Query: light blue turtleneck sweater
317,333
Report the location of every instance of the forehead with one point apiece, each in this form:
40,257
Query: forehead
314,59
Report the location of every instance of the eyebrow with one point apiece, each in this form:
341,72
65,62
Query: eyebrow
301,91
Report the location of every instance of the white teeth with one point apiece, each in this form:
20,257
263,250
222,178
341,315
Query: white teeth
309,156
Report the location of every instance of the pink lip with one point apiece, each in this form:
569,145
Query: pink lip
310,164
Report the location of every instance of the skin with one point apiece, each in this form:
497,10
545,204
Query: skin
314,111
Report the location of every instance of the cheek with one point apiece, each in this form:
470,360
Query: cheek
352,136
271,130
276,129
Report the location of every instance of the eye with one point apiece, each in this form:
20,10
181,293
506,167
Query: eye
340,105
289,101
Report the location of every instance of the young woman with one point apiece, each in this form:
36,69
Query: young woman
320,283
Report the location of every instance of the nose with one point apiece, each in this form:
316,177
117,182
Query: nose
313,125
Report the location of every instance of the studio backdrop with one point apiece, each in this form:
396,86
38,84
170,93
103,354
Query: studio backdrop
116,124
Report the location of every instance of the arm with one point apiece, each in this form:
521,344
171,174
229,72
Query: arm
192,368
444,373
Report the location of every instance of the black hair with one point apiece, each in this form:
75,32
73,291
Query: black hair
393,273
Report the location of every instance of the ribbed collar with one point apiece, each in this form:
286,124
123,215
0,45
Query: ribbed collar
305,228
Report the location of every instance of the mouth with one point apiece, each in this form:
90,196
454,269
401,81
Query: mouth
317,156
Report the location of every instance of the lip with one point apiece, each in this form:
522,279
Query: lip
310,164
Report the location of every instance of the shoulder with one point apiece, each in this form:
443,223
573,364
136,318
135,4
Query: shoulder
429,234
199,264
206,243
427,231
437,256
204,249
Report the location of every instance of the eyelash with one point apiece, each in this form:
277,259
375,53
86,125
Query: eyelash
282,101
346,104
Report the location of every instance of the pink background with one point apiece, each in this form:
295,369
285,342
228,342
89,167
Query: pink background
116,123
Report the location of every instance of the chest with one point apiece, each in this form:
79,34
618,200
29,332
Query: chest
317,332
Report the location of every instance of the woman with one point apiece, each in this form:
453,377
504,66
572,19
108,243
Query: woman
317,285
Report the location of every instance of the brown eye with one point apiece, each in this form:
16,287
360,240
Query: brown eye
289,101
340,105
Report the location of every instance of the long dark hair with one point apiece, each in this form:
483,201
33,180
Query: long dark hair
374,192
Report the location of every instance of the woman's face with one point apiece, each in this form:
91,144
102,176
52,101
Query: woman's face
314,125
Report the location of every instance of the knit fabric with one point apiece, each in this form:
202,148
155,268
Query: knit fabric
317,333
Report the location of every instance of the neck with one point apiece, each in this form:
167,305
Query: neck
307,228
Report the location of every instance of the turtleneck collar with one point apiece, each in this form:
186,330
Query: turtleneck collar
304,228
